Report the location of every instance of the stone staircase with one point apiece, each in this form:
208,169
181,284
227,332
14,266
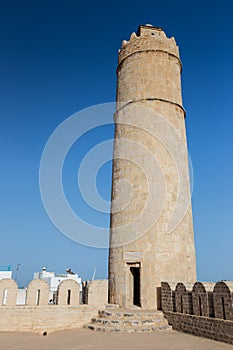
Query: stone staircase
121,320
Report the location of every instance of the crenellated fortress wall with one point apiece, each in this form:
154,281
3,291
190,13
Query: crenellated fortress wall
38,315
202,309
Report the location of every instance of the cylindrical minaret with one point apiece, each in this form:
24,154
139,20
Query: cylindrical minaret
151,236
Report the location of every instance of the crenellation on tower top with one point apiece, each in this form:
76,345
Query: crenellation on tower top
148,38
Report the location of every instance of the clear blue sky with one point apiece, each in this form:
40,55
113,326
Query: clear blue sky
58,57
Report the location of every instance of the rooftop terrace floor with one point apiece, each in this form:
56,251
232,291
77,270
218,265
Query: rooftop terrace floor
86,339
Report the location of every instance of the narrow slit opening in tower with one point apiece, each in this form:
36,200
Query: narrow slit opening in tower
68,296
200,306
135,271
223,309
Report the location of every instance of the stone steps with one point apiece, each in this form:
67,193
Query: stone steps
119,320
128,313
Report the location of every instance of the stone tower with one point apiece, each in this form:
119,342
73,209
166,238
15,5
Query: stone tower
151,237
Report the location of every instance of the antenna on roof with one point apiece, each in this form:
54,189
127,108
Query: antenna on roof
93,276
17,271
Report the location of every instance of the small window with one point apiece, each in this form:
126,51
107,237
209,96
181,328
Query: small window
68,297
38,297
181,304
4,299
223,309
200,308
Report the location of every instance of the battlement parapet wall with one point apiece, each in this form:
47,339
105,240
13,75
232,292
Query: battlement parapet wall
148,39
39,313
38,294
95,292
203,309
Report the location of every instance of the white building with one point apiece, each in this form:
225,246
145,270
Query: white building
21,296
53,280
5,272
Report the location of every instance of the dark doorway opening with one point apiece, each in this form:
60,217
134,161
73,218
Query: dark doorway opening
136,285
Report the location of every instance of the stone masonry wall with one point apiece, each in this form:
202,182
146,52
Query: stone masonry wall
96,292
39,316
205,310
45,318
151,229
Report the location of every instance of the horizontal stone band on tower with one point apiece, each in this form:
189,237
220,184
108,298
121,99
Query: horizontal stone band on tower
149,99
154,50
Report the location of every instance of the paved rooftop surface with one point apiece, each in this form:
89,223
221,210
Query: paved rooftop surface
86,339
